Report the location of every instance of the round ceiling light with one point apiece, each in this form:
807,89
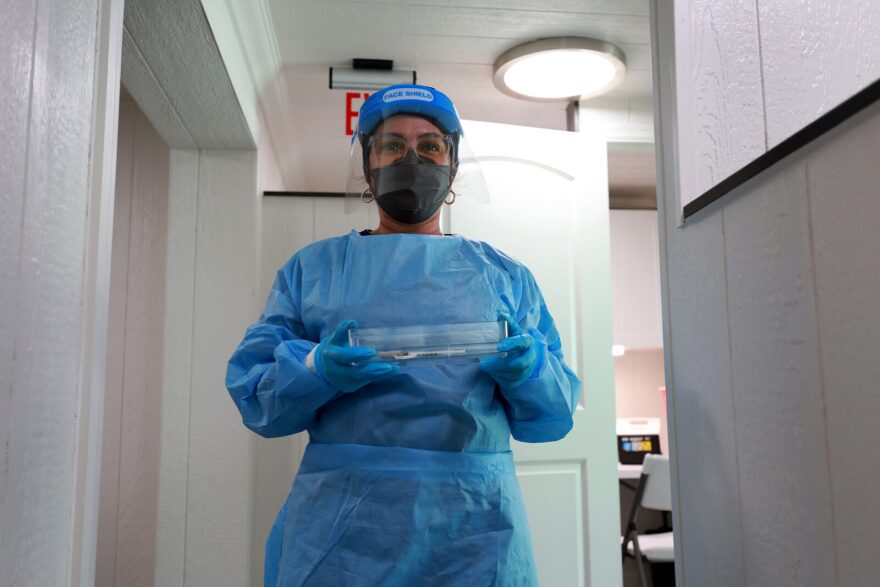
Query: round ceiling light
560,68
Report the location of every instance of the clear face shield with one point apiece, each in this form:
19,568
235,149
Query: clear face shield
409,168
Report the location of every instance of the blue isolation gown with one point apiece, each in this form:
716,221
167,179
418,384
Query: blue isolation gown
409,480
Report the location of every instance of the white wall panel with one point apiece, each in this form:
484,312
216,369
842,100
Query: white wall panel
288,226
331,219
815,54
710,539
635,278
843,176
777,386
16,40
271,175
49,64
722,113
801,276
753,73
206,482
177,374
799,264
798,261
220,470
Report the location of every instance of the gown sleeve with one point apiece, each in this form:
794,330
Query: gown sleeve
541,409
267,378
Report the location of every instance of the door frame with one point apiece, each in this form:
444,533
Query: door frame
93,361
172,107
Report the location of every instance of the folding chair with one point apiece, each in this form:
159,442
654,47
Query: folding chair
653,492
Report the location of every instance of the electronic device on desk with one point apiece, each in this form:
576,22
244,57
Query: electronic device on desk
637,437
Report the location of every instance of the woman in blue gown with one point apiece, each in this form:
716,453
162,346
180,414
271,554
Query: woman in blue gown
408,477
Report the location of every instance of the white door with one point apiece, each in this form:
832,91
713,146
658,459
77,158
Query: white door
549,209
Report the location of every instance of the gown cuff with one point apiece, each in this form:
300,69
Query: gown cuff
309,361
541,362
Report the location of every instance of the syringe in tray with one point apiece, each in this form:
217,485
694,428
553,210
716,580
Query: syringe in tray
402,355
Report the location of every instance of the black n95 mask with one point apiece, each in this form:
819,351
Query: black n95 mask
412,189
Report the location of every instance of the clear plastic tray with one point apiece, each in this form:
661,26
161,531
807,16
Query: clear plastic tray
432,342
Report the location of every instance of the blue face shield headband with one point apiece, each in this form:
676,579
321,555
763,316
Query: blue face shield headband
411,99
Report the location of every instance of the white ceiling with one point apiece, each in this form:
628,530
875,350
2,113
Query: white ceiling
439,37
452,45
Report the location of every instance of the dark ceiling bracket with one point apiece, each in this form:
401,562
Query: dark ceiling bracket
305,194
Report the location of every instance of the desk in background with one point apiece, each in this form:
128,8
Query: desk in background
628,471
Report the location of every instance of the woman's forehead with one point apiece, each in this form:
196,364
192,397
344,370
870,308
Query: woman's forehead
407,124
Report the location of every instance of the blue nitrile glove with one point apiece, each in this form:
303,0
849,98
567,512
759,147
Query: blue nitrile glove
520,362
346,368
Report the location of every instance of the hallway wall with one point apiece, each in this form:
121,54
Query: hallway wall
126,547
207,456
770,294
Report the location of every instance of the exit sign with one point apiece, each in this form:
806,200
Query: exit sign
353,103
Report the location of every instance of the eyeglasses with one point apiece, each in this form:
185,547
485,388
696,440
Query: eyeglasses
389,149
